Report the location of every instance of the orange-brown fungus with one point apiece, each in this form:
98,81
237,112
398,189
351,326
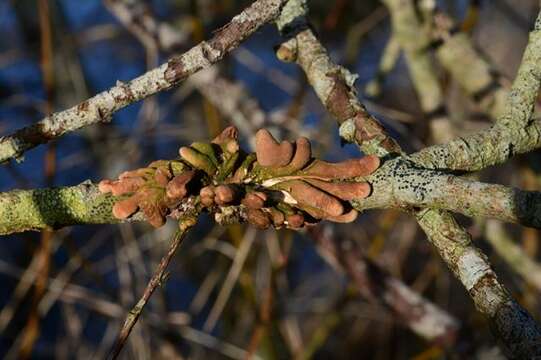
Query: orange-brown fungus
348,217
295,221
344,190
343,170
227,139
281,184
225,194
277,217
316,187
269,152
152,190
254,200
258,218
308,197
124,208
303,153
176,188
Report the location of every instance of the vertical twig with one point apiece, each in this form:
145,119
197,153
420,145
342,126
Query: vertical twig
230,280
32,328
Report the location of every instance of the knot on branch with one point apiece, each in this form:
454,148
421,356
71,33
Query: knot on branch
280,185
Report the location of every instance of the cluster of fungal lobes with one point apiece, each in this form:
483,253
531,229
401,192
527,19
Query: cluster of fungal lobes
280,185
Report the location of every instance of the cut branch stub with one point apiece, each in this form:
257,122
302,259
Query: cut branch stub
280,185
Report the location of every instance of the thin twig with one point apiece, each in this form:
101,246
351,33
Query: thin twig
377,285
156,280
230,280
513,254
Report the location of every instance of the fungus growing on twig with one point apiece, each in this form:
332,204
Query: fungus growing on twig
225,194
271,153
281,184
207,196
227,140
343,170
176,188
295,221
153,190
316,187
317,203
254,200
258,218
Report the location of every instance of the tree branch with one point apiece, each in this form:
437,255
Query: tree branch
138,18
23,210
455,51
375,284
227,96
414,41
514,133
102,106
334,86
513,253
398,184
402,185
429,321
517,330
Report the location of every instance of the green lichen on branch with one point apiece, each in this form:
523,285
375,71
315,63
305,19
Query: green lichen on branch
517,329
515,132
400,183
22,210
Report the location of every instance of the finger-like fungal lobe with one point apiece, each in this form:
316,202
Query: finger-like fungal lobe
207,196
176,188
281,184
254,200
271,153
228,140
258,218
225,194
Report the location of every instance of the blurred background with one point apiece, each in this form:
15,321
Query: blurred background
373,289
